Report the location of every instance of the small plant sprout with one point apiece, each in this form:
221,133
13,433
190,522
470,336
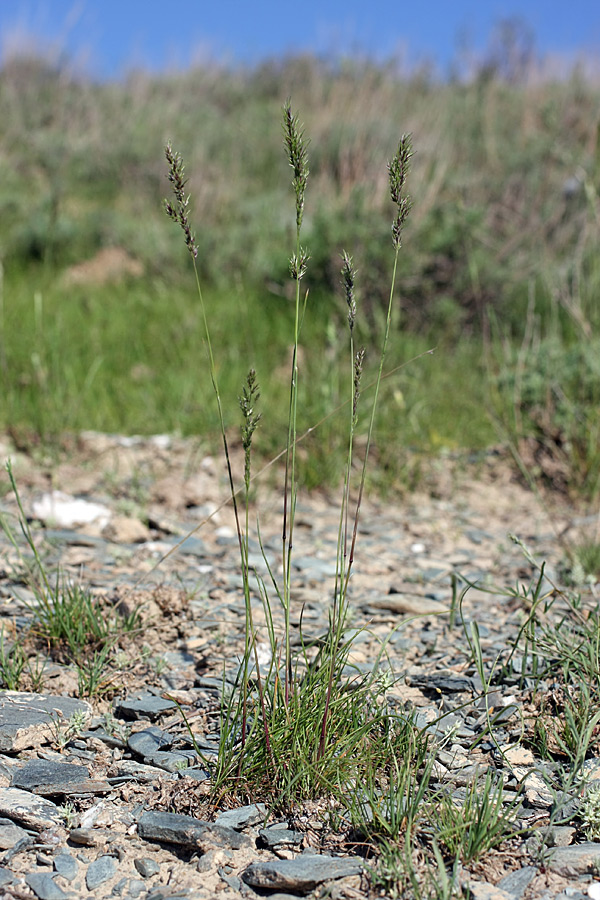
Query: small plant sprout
590,813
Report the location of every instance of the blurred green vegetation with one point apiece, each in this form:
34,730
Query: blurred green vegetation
500,271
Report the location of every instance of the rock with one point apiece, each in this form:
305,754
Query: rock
89,837
129,770
172,761
6,877
578,858
483,890
279,835
172,828
29,810
101,870
146,742
242,817
30,720
537,793
147,867
66,866
440,682
143,706
65,511
517,882
125,530
560,835
410,604
301,874
10,834
44,886
48,778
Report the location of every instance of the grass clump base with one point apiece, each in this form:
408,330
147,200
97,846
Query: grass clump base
68,622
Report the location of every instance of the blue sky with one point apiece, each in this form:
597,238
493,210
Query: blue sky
108,37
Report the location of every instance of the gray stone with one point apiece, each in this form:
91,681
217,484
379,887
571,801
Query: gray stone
301,874
48,778
195,772
193,546
66,866
10,834
516,882
312,568
579,857
101,870
280,836
87,837
136,887
144,706
409,604
146,867
29,810
172,828
242,817
172,761
30,720
44,886
6,877
439,682
145,743
483,890
560,836
131,770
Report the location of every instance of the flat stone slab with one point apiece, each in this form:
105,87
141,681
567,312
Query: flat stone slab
144,706
30,720
44,886
301,874
49,778
29,809
172,828
581,858
101,870
242,817
10,834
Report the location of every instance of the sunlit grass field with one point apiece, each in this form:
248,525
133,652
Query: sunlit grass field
499,274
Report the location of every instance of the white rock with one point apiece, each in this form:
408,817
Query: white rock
67,512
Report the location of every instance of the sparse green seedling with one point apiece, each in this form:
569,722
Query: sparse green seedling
590,813
67,620
13,661
470,828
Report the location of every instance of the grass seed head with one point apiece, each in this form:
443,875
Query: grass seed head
179,210
248,400
298,264
398,170
297,152
348,277
358,368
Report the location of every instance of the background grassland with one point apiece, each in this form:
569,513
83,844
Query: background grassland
500,270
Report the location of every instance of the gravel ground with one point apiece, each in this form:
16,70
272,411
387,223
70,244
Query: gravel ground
105,795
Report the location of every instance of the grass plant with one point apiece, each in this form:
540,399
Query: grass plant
67,621
482,821
295,730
